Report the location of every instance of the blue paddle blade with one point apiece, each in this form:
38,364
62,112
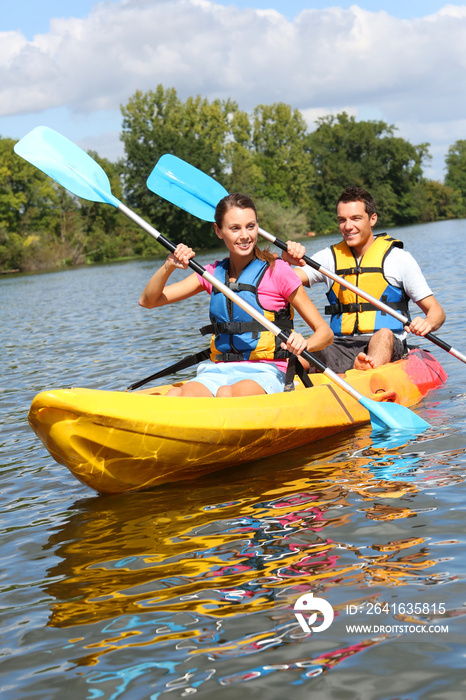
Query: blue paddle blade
184,185
67,164
393,416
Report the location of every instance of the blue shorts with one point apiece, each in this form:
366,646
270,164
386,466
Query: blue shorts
213,375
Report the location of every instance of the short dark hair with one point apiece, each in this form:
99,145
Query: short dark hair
357,194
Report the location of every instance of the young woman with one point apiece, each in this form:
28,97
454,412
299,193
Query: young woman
246,359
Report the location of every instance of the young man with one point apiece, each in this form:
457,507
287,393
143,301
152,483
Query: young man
364,336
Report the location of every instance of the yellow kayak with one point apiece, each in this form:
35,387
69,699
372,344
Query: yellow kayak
117,442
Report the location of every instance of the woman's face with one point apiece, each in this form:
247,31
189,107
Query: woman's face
239,231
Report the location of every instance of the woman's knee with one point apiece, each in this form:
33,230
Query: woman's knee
225,392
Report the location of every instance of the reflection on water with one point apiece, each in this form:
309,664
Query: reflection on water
210,586
189,589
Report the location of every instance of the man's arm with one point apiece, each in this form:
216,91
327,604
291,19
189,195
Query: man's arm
434,317
402,269
308,276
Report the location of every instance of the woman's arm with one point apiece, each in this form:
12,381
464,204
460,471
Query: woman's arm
156,293
323,334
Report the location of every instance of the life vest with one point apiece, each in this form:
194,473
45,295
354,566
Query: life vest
235,335
350,314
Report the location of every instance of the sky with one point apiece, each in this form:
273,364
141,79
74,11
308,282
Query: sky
71,65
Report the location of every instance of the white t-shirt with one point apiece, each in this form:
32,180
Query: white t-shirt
400,269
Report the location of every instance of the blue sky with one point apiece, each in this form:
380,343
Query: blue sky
33,16
71,65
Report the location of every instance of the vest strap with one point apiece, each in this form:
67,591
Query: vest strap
238,327
354,308
239,357
233,328
355,270
231,357
240,287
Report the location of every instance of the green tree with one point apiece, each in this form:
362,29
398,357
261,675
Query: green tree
436,201
288,223
295,177
278,140
28,198
267,160
456,171
108,234
158,122
29,209
369,155
243,173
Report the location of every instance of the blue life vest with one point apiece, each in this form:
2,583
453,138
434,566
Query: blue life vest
236,335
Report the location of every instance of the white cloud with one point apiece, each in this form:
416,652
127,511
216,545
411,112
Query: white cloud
333,59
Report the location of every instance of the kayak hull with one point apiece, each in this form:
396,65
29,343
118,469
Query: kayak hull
117,442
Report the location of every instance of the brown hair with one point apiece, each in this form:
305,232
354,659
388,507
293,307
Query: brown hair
241,201
357,194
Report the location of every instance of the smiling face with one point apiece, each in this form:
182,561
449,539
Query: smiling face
356,226
239,231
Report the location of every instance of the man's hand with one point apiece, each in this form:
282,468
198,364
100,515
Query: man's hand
419,326
294,254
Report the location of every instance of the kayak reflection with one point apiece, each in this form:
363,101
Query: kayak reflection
180,549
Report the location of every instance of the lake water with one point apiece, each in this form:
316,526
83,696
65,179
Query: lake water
188,589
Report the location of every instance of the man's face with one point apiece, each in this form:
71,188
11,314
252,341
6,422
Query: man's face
356,225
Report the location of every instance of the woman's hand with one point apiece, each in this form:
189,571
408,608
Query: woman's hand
158,293
295,344
181,256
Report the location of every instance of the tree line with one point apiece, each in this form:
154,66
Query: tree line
294,175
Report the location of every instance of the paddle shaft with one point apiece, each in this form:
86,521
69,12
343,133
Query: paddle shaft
187,361
365,295
260,318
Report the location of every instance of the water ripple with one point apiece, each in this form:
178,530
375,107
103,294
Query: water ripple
190,588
